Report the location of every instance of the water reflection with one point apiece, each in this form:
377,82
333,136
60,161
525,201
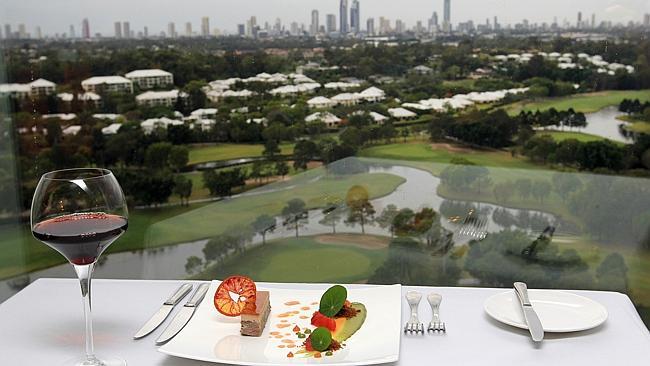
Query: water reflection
364,220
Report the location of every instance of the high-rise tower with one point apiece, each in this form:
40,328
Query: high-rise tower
313,27
355,18
446,20
343,17
85,28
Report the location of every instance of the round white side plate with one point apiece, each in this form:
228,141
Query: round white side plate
558,311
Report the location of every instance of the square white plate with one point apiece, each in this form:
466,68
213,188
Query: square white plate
212,337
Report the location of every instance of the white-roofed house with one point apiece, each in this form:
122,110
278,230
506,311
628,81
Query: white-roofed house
401,113
330,120
111,129
151,124
71,130
155,98
41,87
150,78
61,116
346,99
36,88
204,113
422,70
320,102
373,94
341,85
18,91
204,124
107,116
111,84
376,117
87,97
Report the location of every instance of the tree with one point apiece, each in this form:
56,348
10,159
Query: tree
157,155
256,171
281,168
294,213
216,248
303,153
331,216
179,134
352,137
193,264
541,189
565,184
178,157
503,191
540,148
524,187
387,218
195,96
220,183
271,149
360,208
263,224
183,188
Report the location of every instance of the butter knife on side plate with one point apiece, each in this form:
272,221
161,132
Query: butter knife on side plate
534,325
184,315
164,311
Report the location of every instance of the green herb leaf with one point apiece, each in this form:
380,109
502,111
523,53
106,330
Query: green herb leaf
320,339
333,300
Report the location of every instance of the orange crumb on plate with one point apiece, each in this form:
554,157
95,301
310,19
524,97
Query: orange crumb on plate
293,302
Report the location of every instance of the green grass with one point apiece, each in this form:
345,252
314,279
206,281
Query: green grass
21,253
202,154
586,103
214,218
424,152
637,125
304,260
562,135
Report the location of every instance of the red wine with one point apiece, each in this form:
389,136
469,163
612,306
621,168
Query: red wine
81,237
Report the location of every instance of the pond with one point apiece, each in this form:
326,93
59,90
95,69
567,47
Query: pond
603,123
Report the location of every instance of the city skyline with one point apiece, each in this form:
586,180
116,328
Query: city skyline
508,12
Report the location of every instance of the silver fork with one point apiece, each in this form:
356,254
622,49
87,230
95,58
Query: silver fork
435,325
413,325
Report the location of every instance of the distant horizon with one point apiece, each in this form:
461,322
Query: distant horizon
156,14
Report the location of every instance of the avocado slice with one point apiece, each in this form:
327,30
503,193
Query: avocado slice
345,328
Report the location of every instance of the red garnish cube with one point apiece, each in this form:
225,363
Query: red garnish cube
308,346
320,320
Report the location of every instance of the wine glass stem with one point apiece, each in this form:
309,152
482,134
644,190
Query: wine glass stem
84,274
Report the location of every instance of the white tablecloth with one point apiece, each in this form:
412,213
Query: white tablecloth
43,325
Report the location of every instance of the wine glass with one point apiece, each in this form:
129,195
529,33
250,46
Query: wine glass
79,213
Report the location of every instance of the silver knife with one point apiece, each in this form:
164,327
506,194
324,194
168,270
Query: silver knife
534,325
164,311
184,315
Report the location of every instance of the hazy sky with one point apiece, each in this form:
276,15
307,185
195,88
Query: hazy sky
57,15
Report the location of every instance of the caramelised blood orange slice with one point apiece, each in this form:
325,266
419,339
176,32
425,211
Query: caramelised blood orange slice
235,294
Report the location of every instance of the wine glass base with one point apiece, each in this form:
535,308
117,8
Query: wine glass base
95,361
